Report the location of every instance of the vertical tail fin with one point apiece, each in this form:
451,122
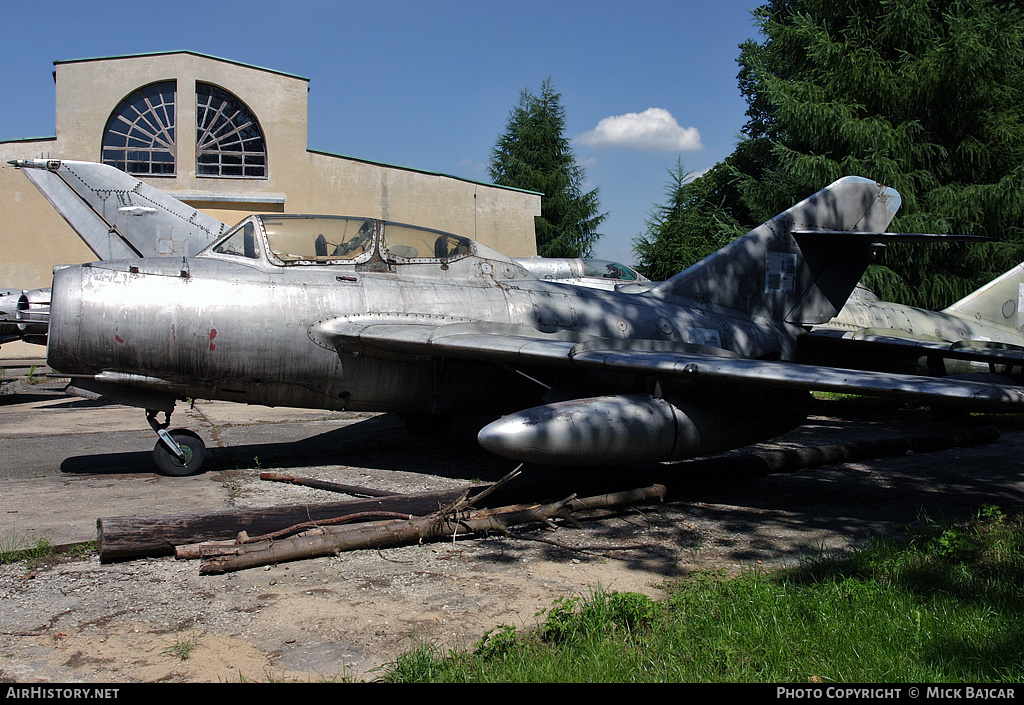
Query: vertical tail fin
118,216
1000,301
800,266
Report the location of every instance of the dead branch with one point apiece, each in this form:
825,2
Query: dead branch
347,519
465,502
128,537
330,540
324,485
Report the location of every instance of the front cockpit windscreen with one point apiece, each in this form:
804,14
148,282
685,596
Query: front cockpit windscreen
318,238
411,242
241,243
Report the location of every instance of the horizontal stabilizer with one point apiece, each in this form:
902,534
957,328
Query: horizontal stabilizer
884,238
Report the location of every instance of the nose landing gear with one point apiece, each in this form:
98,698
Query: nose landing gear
177,453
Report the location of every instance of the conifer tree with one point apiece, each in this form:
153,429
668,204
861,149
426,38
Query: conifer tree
533,154
926,96
690,226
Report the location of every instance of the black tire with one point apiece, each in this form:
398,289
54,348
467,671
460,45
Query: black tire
195,455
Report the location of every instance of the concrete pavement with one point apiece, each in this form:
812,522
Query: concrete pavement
66,461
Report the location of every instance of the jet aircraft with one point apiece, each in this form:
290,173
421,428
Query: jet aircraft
361,314
23,315
980,335
583,271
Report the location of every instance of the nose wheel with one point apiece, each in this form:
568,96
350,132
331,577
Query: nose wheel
177,453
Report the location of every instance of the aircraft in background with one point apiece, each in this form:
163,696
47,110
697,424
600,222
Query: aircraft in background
980,335
23,315
360,314
583,271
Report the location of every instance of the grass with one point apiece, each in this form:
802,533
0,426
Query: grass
943,605
19,548
40,552
182,648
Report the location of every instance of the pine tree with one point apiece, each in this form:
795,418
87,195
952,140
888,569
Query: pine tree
926,96
533,154
688,227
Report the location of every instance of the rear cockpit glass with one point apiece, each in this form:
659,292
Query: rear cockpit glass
242,243
318,238
411,242
608,270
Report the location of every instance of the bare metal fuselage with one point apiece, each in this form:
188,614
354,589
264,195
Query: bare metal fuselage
218,327
931,325
935,342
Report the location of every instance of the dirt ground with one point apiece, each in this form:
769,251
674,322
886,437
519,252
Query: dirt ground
160,620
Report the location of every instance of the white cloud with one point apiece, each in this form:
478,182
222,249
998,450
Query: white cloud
654,129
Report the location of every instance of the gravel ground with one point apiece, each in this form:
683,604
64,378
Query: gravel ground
160,620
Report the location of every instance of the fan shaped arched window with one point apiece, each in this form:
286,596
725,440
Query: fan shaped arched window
139,136
229,141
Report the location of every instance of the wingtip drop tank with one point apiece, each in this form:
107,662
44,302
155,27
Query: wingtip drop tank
632,429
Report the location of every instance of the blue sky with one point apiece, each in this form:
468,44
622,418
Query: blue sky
429,84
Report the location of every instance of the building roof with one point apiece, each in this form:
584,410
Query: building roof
190,53
426,172
289,75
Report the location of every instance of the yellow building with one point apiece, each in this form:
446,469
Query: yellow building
230,140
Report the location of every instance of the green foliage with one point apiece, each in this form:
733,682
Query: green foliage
922,95
943,605
926,96
691,225
20,548
497,643
533,154
182,648
572,618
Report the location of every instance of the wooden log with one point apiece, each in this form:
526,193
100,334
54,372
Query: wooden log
795,459
332,540
129,537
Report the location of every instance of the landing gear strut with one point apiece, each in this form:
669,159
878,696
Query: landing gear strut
179,452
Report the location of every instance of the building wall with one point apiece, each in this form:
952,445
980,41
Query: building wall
34,238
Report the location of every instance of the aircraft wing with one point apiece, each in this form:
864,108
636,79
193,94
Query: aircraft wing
412,337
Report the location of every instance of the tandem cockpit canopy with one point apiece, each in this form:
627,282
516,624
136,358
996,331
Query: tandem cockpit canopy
327,239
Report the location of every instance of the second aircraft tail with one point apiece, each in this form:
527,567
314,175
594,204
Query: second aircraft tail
1000,301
